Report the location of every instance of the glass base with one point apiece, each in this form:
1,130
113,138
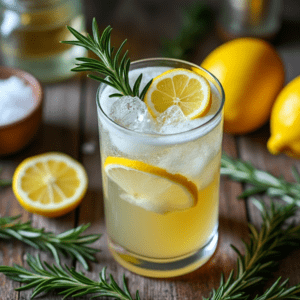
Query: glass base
163,268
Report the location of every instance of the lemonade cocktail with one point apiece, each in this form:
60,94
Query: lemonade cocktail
160,179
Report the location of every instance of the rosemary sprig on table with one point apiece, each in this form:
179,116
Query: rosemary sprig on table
46,278
69,243
280,291
110,65
261,253
262,181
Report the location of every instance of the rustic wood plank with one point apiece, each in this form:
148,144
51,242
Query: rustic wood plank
61,133
10,251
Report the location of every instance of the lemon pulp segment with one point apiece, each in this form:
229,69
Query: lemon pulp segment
151,187
184,88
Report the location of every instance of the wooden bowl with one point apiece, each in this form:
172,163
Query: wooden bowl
14,136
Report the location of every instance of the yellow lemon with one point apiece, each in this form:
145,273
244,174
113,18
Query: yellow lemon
50,184
151,187
252,75
285,121
187,89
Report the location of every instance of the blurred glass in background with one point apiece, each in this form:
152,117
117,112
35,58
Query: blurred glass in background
256,18
30,35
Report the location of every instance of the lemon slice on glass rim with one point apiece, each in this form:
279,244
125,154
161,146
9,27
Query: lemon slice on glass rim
151,187
50,184
182,87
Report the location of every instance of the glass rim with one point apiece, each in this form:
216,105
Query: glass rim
163,135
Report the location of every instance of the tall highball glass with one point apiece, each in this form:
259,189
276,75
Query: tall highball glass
142,170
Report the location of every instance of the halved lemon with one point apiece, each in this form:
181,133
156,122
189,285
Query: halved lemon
182,87
151,187
50,184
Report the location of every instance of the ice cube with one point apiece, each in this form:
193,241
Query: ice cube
171,120
132,113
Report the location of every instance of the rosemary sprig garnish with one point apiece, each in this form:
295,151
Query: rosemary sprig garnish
261,253
69,243
110,65
262,181
45,278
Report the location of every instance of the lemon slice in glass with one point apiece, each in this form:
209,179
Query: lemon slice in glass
182,87
151,187
50,184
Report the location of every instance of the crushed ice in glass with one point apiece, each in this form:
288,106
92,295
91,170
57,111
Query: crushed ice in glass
16,100
132,113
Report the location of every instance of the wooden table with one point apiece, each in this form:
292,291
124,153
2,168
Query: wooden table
70,126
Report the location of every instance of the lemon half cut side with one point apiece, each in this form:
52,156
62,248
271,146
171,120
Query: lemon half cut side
50,184
184,88
151,187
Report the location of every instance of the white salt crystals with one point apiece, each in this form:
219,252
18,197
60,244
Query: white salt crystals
16,100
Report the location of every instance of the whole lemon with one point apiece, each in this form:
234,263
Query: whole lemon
285,121
252,75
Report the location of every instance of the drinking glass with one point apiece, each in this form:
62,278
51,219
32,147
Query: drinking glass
147,242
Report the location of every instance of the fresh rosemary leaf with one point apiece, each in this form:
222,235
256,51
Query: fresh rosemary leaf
44,278
5,182
280,291
112,66
69,243
262,181
296,174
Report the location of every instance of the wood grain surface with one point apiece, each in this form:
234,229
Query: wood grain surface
70,126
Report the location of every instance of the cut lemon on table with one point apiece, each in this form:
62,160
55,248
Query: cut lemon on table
151,187
50,184
187,89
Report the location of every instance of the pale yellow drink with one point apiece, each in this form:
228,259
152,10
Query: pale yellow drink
145,239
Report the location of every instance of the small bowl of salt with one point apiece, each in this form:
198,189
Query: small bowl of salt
21,98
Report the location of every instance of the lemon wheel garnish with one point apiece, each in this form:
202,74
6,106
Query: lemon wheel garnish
187,89
50,184
151,187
